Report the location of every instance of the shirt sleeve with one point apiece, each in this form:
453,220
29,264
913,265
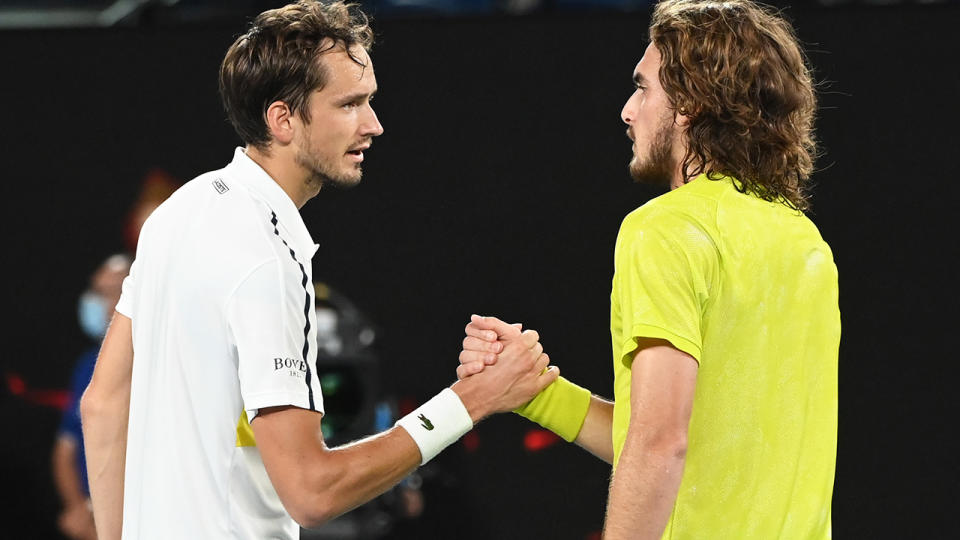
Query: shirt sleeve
270,320
125,303
665,267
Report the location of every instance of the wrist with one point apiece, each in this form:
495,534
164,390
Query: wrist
476,406
436,424
561,407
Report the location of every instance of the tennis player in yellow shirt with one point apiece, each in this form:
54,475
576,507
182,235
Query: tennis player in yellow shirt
724,314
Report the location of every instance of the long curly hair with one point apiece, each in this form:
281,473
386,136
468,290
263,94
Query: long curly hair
735,69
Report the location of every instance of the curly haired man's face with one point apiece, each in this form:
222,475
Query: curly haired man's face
650,124
342,121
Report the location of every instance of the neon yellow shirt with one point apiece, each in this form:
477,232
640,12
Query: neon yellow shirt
749,289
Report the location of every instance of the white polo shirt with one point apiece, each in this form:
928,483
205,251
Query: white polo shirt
221,300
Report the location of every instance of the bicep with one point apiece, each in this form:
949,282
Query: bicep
663,380
291,444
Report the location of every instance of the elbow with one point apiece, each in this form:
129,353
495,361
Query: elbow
97,405
677,448
308,519
674,448
91,406
311,519
318,499
668,445
315,511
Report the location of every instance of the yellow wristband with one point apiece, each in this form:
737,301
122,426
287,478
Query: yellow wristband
560,407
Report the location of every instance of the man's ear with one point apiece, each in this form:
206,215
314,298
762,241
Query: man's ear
280,122
682,116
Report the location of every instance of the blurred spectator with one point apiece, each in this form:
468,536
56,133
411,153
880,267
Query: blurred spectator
69,468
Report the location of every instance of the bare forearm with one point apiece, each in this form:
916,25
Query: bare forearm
596,434
643,492
105,439
104,412
318,483
364,469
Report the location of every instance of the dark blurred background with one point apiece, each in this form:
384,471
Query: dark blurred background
498,188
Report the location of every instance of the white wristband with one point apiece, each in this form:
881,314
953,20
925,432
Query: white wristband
437,423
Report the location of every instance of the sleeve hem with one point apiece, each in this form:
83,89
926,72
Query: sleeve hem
253,404
644,330
124,309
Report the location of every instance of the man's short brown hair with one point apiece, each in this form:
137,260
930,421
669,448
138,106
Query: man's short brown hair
278,59
736,70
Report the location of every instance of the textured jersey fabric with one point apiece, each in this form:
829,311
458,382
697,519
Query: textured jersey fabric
749,289
220,297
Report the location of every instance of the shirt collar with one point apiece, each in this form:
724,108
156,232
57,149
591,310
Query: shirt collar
255,179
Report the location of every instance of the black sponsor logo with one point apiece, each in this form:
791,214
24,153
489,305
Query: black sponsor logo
294,366
220,186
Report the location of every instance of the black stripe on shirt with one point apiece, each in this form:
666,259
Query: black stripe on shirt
306,308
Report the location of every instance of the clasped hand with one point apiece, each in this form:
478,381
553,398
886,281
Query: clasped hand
507,364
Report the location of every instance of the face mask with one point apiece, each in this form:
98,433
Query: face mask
92,313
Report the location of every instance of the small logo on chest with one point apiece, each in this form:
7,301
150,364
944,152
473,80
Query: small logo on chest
220,186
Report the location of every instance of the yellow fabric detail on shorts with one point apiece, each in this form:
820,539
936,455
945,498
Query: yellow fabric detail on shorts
749,289
244,431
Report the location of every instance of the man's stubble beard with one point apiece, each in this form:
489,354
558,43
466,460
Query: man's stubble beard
322,172
658,166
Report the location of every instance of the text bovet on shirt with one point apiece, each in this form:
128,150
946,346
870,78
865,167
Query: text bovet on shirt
221,300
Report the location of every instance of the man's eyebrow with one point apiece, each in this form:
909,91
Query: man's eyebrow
357,96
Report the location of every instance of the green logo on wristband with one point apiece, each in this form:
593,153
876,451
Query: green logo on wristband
427,424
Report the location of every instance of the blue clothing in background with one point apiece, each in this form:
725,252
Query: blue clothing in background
70,424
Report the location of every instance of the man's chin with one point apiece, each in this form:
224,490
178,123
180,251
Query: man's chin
651,176
344,181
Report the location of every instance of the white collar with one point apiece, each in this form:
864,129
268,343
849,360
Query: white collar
254,178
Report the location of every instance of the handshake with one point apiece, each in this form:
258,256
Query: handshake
501,367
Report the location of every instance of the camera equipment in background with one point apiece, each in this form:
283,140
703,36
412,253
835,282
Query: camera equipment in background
354,405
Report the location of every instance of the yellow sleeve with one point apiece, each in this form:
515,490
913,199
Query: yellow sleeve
666,266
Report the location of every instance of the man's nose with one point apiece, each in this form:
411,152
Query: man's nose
626,114
371,126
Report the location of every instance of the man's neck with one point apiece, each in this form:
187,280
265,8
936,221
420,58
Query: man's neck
679,178
284,170
676,181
